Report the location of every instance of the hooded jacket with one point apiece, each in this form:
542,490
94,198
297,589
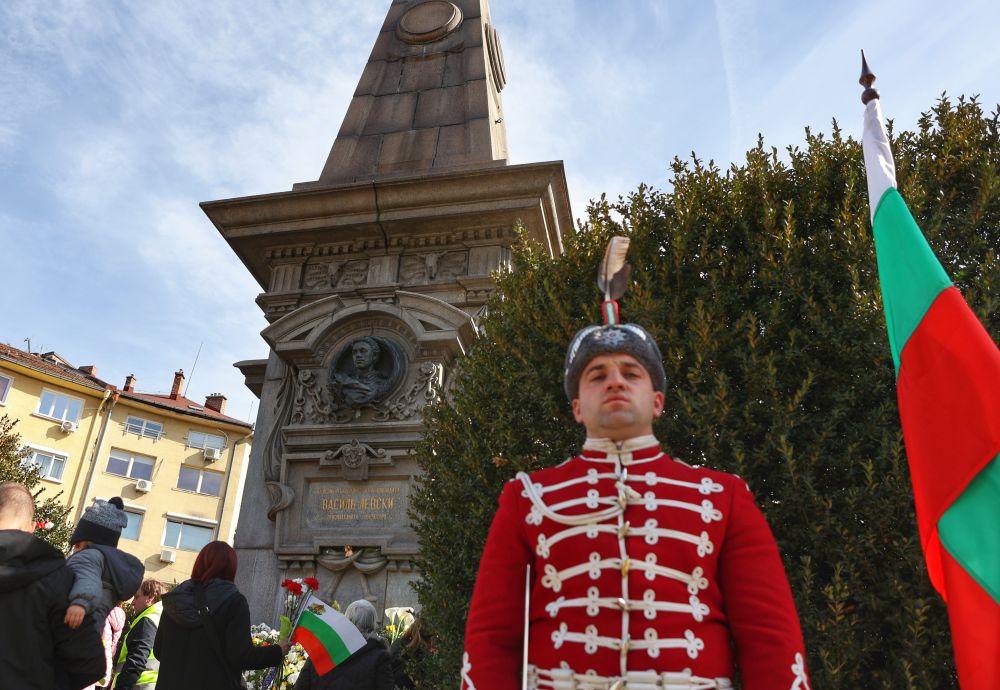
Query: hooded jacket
193,656
369,668
34,586
103,576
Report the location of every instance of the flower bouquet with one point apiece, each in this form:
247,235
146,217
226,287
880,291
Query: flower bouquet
296,593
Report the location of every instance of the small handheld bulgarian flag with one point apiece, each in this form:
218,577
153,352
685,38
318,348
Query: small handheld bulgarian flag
948,388
328,637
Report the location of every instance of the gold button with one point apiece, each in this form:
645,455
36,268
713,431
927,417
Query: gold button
626,564
624,647
622,604
623,529
622,499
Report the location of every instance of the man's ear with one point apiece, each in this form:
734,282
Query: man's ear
576,411
659,400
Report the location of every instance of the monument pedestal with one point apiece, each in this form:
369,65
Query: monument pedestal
373,279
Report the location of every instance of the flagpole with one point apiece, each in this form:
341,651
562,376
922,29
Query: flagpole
527,601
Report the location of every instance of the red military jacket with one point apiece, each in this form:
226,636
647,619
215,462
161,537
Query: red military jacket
645,573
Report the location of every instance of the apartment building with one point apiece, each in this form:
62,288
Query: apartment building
177,464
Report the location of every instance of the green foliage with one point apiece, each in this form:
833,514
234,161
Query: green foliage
760,285
49,510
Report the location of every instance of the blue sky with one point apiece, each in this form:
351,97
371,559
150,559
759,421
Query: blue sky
117,119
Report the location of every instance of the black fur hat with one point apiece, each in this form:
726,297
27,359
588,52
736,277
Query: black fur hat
628,338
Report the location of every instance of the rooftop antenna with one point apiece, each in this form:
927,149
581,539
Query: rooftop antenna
28,340
191,377
253,403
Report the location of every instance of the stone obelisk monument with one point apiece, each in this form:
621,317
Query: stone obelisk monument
373,278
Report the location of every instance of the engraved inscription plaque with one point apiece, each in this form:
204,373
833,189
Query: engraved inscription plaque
334,505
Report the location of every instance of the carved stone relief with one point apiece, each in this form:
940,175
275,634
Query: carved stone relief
367,562
335,275
355,457
423,390
365,371
433,266
280,495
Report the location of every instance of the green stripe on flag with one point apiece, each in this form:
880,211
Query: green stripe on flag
326,635
968,529
910,274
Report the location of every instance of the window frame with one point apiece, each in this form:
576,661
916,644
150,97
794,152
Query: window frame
131,462
143,427
38,409
140,514
202,471
190,521
207,435
6,391
53,454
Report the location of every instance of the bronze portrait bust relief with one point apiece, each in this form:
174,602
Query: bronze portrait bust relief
365,371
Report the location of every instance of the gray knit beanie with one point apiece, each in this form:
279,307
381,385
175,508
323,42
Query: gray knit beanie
102,523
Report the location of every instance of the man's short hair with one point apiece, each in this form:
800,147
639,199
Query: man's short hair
16,501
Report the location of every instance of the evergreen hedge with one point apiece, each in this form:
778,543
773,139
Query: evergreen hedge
760,285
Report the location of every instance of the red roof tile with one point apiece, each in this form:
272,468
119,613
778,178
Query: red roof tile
34,361
185,406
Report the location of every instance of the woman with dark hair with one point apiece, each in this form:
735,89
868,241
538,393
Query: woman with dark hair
204,635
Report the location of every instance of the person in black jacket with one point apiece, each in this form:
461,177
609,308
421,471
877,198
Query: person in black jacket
369,668
34,590
136,666
204,635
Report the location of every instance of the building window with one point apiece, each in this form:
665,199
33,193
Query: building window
199,439
131,530
59,406
186,535
49,463
199,480
5,382
143,427
126,464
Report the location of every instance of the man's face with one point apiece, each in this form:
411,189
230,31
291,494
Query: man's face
362,355
616,399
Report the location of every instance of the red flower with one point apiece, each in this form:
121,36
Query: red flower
40,524
312,583
285,583
294,587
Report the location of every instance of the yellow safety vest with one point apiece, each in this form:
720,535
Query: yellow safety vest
147,677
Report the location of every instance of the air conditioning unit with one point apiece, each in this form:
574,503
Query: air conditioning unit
168,556
68,426
212,454
143,485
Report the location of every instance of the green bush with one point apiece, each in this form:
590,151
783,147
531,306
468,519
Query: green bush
760,284
49,510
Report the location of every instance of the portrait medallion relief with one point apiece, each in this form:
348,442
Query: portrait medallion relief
365,371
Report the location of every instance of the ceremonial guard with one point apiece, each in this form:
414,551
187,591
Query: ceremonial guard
642,572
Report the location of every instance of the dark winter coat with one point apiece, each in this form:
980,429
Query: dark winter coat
397,652
186,649
34,590
103,576
370,668
138,642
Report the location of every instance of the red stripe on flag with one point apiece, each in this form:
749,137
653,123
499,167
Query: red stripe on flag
975,628
949,405
315,649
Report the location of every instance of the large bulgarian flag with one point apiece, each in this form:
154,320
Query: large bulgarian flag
328,637
948,386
